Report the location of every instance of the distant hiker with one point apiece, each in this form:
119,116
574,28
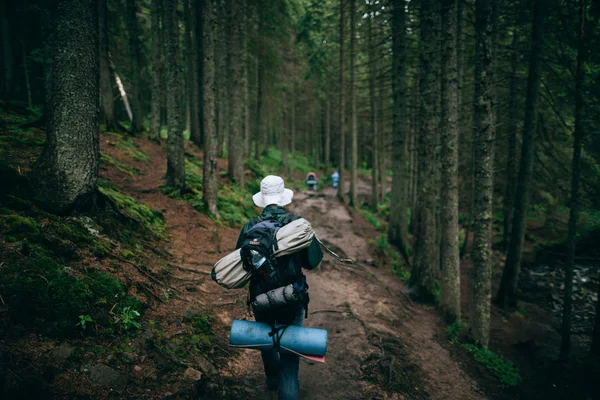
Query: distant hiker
285,276
311,181
335,179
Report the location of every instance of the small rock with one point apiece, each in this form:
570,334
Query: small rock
137,368
192,375
61,353
206,366
107,376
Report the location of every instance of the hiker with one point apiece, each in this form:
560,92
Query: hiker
311,181
281,370
335,179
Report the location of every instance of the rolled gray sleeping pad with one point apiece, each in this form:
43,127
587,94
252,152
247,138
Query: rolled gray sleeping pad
276,298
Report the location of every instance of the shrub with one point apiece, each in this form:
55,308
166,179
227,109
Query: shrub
504,370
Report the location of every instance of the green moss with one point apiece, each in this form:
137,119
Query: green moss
504,370
107,159
48,297
126,254
21,227
132,150
150,219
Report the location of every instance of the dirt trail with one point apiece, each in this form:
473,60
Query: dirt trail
379,342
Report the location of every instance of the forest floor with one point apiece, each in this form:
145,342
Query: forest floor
382,345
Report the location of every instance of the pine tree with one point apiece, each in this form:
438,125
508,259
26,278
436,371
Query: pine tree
353,116
507,293
210,138
135,50
342,133
106,87
422,280
483,170
66,172
450,287
175,151
157,49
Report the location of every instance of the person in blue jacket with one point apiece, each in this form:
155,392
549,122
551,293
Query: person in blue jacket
281,370
335,179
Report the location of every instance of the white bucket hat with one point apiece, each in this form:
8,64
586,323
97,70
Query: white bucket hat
272,191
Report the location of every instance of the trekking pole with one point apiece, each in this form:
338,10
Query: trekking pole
334,255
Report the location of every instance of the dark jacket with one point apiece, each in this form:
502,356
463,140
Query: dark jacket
307,258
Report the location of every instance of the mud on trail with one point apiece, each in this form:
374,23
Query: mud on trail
381,345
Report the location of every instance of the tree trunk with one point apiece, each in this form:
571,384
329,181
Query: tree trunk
7,53
342,148
450,285
106,88
235,59
26,74
426,260
354,130
284,143
222,82
175,151
511,136
209,167
507,293
246,87
135,48
155,125
259,94
373,115
327,152
191,83
293,132
66,172
579,134
483,147
397,226
383,143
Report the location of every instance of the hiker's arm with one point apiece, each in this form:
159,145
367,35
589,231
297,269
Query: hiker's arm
313,255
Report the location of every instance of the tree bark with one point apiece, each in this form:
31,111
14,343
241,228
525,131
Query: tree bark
373,115
259,94
135,49
342,148
175,150
450,287
483,167
66,172
507,293
106,88
565,347
511,152
246,66
382,162
157,45
191,84
234,66
327,152
426,259
209,167
222,79
354,128
7,53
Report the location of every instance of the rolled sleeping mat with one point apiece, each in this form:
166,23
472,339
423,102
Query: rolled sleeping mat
229,271
305,342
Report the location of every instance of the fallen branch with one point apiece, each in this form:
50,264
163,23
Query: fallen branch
327,311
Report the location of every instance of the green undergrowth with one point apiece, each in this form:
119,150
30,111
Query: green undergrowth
503,369
129,170
42,289
127,146
147,218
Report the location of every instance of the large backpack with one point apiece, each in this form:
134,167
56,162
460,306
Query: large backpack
270,275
